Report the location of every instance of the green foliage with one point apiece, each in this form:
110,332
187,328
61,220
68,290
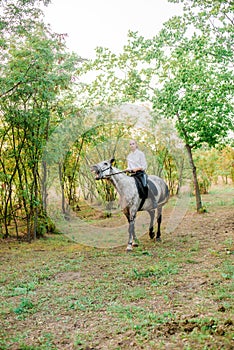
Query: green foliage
213,165
156,272
226,164
228,271
24,307
206,162
36,94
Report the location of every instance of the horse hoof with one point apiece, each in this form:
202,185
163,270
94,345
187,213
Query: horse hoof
158,239
135,244
129,248
152,235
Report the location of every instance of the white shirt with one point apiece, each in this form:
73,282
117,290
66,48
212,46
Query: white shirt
136,159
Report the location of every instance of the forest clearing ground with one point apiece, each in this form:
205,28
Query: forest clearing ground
178,294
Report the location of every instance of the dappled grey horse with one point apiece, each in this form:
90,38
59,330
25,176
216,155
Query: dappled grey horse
130,200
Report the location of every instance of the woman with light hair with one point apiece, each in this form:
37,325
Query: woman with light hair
136,158
137,166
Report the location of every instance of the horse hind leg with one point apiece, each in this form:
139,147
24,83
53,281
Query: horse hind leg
159,221
151,226
135,242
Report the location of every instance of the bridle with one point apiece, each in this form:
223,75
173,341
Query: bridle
100,171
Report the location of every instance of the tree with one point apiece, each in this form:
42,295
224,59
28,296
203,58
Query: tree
183,72
36,94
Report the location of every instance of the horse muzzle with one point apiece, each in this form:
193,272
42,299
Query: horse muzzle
97,172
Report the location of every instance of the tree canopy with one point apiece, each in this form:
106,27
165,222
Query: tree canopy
185,72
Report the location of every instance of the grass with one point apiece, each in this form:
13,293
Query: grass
178,294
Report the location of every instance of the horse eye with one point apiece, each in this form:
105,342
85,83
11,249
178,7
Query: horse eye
105,163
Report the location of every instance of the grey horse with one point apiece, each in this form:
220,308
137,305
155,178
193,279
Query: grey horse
130,200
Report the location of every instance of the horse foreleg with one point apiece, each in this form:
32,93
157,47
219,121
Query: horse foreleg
151,226
131,232
159,220
132,241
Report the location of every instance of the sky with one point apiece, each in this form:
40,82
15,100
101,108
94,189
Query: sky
93,23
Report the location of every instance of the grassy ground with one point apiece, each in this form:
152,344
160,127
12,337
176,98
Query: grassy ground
178,294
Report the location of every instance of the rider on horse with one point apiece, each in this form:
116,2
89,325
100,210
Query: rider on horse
137,165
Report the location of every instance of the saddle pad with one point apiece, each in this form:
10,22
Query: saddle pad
152,187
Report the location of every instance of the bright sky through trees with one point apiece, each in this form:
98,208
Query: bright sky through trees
93,23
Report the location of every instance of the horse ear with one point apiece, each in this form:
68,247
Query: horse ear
112,160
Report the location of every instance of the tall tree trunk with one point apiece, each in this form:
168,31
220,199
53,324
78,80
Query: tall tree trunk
62,187
35,210
44,185
196,186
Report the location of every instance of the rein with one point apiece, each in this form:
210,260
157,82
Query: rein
109,175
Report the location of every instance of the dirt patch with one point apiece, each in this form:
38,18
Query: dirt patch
67,276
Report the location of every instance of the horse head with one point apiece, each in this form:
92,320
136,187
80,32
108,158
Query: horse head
102,169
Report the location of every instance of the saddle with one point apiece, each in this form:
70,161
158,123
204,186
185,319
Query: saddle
144,186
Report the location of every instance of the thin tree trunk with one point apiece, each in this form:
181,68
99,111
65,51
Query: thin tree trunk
24,186
62,188
5,213
20,168
13,213
159,172
35,211
44,186
71,181
196,186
